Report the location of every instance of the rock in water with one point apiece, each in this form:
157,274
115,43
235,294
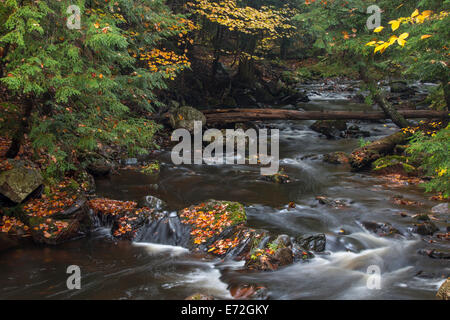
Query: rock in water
444,291
442,208
152,203
184,117
16,184
329,128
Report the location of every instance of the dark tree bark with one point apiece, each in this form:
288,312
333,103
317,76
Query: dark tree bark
22,129
381,100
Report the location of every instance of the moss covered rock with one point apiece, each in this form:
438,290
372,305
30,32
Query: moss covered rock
184,117
20,181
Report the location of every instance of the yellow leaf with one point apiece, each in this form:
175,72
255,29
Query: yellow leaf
425,36
415,13
378,29
401,42
403,36
395,24
371,43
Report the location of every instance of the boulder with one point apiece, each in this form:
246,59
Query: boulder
184,117
329,128
99,167
399,86
426,228
442,208
380,229
314,243
152,203
336,158
444,291
19,182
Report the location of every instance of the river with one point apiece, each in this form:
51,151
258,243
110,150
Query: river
123,270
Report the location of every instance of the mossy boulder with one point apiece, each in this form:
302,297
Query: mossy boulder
19,182
184,117
394,164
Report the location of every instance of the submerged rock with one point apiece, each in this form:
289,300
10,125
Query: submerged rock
19,182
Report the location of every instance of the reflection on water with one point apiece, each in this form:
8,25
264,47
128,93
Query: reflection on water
121,270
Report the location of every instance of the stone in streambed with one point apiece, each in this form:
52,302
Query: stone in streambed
444,290
329,128
336,158
442,208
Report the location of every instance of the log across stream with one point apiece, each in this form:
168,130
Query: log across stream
242,115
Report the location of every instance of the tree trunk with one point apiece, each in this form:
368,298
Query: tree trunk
446,87
363,157
380,98
22,129
243,115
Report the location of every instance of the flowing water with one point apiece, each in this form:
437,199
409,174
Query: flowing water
123,270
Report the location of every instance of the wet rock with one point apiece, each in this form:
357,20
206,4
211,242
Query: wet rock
315,243
199,296
19,182
329,128
209,221
425,229
434,254
336,204
242,292
53,232
442,208
99,167
152,203
130,162
128,222
74,222
380,229
279,178
444,291
283,241
400,87
184,117
284,256
336,158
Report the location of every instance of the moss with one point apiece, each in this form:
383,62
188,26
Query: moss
394,160
151,168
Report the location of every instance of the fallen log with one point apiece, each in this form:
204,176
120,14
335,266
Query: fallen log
243,115
363,157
